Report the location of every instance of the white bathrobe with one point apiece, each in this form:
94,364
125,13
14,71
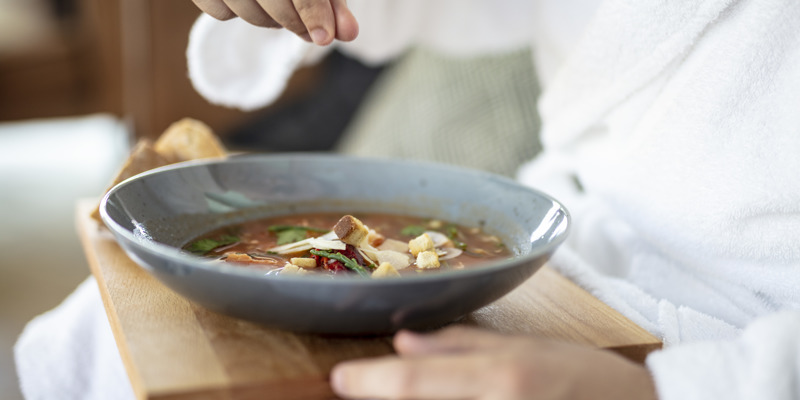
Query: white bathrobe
671,130
680,122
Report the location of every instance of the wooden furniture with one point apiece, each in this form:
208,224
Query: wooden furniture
124,57
56,72
173,349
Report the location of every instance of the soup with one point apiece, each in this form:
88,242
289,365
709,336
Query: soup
370,245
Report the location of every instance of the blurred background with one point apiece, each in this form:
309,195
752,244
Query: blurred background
82,80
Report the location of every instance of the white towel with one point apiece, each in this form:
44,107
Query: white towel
69,352
236,64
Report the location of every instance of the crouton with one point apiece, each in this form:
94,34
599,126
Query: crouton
385,270
428,260
304,262
420,243
350,230
291,269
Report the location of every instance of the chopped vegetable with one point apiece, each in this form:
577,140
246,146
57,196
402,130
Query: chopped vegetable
203,246
347,261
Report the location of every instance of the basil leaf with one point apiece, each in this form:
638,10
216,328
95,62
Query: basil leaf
291,235
281,228
203,246
413,230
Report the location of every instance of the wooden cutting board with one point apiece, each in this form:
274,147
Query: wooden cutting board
174,349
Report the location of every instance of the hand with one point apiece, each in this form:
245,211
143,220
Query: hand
319,21
462,363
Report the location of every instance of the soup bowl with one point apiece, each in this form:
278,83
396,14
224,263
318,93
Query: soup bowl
154,214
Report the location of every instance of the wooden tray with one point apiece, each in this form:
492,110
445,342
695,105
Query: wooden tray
174,349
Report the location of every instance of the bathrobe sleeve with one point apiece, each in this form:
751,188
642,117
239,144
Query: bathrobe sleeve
679,121
763,363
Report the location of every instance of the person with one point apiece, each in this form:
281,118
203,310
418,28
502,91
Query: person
669,130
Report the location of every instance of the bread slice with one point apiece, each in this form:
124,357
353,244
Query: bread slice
143,157
189,139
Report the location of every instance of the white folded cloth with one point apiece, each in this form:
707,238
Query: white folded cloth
241,65
70,353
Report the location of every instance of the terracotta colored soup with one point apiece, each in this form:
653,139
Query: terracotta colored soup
311,244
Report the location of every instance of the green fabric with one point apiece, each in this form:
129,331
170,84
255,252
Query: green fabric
474,112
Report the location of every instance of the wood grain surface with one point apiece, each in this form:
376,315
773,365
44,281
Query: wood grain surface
174,349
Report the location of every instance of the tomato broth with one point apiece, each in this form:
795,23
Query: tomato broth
373,245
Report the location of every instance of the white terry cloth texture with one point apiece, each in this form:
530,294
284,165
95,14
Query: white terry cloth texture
69,352
679,121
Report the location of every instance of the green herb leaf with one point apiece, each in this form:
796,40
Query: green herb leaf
347,261
293,233
290,236
281,228
413,230
453,234
203,246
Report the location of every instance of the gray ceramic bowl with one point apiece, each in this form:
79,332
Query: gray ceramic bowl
153,214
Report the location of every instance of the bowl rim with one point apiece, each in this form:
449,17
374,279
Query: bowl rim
174,254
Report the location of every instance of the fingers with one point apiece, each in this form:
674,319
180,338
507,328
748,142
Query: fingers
317,16
442,377
453,339
251,11
215,8
346,24
284,13
320,21
312,20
